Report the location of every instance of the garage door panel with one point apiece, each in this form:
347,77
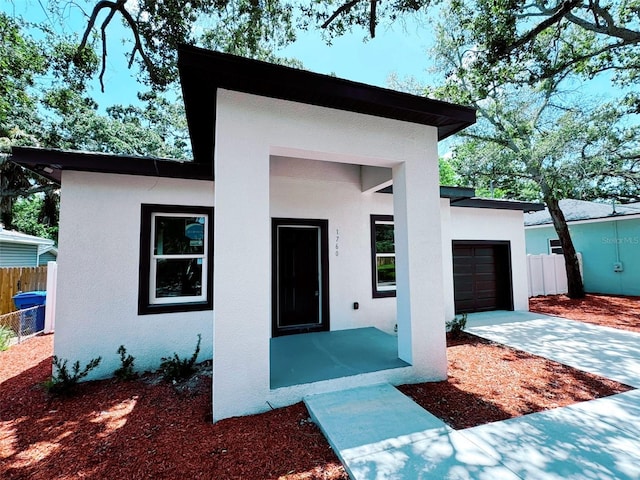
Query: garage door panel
485,271
484,259
486,287
479,277
463,269
465,296
465,305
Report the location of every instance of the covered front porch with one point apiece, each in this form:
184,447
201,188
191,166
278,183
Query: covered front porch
305,164
314,357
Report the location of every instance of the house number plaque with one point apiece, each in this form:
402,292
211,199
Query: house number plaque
337,238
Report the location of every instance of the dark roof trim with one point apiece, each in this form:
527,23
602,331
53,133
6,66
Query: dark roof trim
50,163
456,193
498,204
452,193
203,71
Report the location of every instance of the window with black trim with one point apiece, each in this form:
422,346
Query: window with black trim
176,259
555,247
383,256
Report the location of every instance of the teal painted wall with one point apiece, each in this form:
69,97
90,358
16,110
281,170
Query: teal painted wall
18,255
601,245
47,257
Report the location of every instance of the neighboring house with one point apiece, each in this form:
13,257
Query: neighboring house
281,223
22,250
607,235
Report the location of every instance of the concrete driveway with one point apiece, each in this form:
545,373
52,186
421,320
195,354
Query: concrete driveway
378,433
599,439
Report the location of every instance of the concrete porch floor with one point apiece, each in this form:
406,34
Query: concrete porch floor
313,357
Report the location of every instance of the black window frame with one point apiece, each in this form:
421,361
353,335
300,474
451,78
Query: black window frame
146,214
374,264
555,247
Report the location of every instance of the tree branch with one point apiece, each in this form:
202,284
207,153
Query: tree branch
629,36
559,14
342,9
372,18
607,48
484,138
113,7
103,30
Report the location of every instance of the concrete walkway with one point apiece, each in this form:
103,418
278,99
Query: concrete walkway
378,433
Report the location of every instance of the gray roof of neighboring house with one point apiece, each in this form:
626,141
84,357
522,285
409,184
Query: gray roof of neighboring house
11,236
575,210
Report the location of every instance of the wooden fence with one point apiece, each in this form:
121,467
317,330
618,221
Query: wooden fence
19,279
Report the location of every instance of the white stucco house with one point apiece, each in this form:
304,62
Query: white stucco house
279,232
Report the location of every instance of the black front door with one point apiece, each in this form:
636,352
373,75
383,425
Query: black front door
300,282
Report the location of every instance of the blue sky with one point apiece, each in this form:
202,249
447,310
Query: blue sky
402,50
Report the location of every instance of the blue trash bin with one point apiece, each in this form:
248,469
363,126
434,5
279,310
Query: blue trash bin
36,298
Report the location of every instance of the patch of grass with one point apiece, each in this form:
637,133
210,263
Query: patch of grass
64,381
6,334
175,368
125,372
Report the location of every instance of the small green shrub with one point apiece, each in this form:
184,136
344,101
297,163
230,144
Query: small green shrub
174,368
456,326
64,382
125,372
6,334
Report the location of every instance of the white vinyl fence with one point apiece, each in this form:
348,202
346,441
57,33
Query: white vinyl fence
547,274
52,290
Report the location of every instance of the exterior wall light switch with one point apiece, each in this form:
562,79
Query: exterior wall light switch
617,267
356,305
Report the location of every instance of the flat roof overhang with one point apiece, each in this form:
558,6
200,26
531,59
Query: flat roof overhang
50,163
202,72
466,197
497,204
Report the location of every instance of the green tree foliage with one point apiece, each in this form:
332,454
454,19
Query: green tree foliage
552,37
156,127
20,62
537,143
44,103
37,215
448,175
251,28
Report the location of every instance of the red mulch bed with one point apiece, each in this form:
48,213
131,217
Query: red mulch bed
489,382
617,312
149,429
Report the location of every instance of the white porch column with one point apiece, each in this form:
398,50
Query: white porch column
418,242
242,268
